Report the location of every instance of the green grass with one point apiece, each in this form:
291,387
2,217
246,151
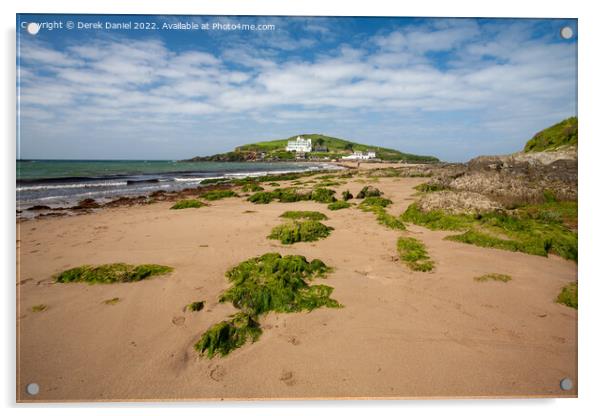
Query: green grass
347,195
333,206
308,215
111,273
299,231
493,276
112,301
368,191
39,308
535,229
252,187
268,283
216,194
196,306
568,295
188,203
559,135
413,253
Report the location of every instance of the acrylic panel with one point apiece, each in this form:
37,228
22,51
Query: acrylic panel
273,207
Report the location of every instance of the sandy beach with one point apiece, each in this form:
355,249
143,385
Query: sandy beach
400,334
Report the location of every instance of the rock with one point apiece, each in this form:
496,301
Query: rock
87,203
368,191
457,203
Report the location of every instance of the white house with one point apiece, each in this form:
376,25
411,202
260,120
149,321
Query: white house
299,145
360,156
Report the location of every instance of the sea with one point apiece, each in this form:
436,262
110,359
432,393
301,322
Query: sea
62,183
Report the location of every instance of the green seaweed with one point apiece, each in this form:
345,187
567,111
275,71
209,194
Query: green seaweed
39,308
368,191
111,273
347,195
277,283
196,306
372,202
226,336
268,283
498,277
262,198
216,194
323,195
188,203
334,206
252,187
535,229
429,187
568,295
299,231
413,253
309,215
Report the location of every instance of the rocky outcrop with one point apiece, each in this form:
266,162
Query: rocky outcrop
461,202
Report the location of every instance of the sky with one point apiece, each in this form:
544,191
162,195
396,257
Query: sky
453,88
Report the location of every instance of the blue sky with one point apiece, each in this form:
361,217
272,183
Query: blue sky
453,88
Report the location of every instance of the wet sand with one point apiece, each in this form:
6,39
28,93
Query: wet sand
401,334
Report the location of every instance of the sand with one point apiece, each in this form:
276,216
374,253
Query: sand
401,334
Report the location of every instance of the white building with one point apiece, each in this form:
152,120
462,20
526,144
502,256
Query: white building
360,156
299,145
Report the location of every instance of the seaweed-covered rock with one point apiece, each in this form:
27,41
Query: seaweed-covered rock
368,191
457,203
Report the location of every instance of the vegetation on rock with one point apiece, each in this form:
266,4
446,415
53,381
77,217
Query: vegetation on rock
560,135
534,229
368,191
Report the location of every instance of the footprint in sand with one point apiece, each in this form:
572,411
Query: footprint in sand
178,320
218,373
287,377
294,340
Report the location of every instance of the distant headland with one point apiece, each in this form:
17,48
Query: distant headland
312,147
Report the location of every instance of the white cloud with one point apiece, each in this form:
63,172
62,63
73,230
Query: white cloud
499,74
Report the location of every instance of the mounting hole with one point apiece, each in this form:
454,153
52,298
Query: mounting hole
566,384
566,32
33,389
33,28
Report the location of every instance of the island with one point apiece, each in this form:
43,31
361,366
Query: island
312,147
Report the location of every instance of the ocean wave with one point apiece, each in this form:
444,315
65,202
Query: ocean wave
70,186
